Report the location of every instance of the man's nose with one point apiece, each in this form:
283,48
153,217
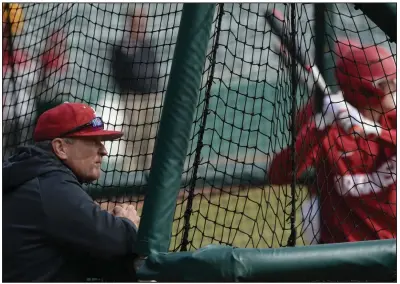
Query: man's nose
103,151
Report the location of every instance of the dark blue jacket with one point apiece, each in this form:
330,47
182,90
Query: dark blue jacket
135,72
52,229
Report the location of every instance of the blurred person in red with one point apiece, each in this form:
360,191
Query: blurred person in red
342,46
17,71
352,146
24,75
310,206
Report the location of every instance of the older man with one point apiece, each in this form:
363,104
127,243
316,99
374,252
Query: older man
52,229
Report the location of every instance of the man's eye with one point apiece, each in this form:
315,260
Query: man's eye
90,142
392,86
386,86
382,84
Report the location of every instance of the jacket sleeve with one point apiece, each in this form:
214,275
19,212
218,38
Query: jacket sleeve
138,72
280,171
307,148
73,219
121,66
145,69
389,137
304,114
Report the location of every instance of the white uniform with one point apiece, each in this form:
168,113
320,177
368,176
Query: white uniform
19,99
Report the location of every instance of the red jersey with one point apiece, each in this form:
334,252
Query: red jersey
356,177
302,118
303,115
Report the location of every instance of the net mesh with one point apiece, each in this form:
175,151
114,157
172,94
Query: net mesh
74,52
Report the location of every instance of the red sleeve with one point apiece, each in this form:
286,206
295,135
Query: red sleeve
304,114
19,58
280,168
342,153
54,57
347,154
307,150
389,137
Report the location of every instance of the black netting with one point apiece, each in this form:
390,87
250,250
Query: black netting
66,51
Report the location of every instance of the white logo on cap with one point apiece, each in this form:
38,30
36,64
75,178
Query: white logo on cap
94,111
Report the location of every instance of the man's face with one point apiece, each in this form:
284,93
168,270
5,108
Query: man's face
139,24
387,103
389,89
84,157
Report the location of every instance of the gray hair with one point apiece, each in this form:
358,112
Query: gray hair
47,145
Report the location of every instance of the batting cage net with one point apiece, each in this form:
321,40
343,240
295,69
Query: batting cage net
117,58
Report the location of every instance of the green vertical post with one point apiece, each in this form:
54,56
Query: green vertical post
175,128
320,47
324,44
329,57
325,58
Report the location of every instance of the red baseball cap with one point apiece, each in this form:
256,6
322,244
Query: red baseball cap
72,120
344,45
359,72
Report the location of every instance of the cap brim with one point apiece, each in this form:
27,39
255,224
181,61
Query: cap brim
105,135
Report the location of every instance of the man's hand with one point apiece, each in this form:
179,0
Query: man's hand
128,212
332,106
352,121
337,110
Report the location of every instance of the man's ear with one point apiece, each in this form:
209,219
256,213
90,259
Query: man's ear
60,148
